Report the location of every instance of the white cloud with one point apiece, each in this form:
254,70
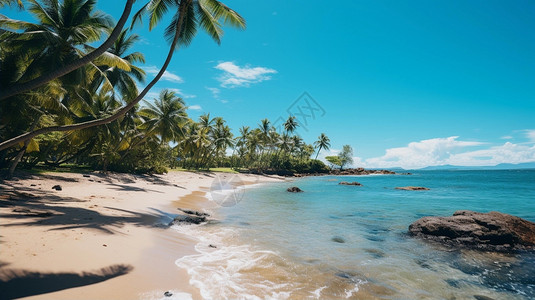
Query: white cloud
236,76
506,153
155,93
195,107
451,151
168,76
182,94
420,154
530,134
506,137
215,92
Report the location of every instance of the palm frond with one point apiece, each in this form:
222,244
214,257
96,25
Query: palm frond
221,11
208,22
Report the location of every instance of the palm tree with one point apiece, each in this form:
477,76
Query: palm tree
291,124
51,7
189,15
323,142
124,80
166,117
63,30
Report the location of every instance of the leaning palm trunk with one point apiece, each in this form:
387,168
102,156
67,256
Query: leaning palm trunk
318,153
41,80
29,135
19,156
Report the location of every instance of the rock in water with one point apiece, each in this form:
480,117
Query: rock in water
294,189
187,219
350,183
57,187
194,212
412,188
338,239
493,231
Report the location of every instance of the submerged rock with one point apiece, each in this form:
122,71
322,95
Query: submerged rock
493,231
338,239
350,183
412,188
294,189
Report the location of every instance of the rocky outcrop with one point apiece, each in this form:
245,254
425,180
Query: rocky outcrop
190,217
350,183
360,171
412,188
294,189
493,231
194,212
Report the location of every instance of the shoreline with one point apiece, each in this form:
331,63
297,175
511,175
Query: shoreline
102,236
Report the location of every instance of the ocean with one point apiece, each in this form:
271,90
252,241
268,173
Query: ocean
350,242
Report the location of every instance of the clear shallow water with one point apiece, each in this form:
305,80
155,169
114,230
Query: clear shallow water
275,244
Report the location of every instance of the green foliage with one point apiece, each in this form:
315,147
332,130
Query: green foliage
334,160
139,140
346,156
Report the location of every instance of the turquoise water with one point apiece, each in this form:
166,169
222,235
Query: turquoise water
335,241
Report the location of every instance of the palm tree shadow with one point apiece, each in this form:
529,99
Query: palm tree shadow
31,207
15,283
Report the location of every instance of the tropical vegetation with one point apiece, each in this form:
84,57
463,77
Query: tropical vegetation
87,109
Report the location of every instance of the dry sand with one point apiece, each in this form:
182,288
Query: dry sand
100,237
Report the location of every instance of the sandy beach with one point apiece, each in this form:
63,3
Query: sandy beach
100,236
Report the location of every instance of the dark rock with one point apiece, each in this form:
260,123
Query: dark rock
33,184
493,231
375,253
194,212
57,187
187,219
350,183
85,175
412,188
294,189
482,297
168,294
338,239
212,246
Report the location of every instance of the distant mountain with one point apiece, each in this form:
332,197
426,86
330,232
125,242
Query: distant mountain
530,165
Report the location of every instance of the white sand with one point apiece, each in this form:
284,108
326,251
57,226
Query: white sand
102,239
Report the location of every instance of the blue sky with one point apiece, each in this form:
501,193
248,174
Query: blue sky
405,83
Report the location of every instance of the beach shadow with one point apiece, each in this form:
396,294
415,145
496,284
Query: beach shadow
64,218
128,188
30,207
22,283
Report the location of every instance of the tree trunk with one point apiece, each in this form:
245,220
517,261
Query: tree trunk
21,152
17,159
41,80
118,114
318,153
